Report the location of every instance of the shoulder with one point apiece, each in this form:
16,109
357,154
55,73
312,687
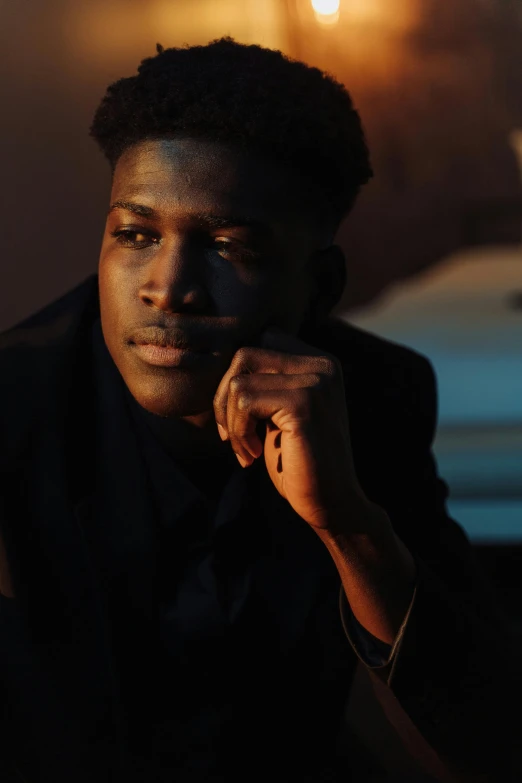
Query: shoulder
388,386
53,322
38,359
373,360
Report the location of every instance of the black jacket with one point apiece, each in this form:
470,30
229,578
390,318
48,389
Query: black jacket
454,680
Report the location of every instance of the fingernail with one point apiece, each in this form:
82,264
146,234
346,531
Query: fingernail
242,461
222,432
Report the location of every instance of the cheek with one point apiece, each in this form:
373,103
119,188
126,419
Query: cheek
244,293
107,275
115,285
276,296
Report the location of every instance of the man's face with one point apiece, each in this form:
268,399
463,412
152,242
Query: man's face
204,248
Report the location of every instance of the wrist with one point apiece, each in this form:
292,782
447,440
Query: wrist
358,519
377,571
362,541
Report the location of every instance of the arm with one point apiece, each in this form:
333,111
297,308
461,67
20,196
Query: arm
446,686
453,681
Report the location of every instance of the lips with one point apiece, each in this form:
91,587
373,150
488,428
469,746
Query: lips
182,338
167,356
168,347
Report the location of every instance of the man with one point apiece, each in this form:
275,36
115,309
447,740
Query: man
197,464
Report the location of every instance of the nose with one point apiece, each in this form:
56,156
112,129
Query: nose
174,279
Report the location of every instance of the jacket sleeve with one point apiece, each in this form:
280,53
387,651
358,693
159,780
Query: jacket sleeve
8,773
453,683
7,769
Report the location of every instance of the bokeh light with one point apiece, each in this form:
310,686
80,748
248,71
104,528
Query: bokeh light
325,7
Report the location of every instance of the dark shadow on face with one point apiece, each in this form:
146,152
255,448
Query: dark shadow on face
204,248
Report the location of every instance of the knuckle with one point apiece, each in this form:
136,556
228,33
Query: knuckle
329,365
236,384
243,400
239,390
330,368
244,356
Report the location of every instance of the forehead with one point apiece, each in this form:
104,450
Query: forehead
204,176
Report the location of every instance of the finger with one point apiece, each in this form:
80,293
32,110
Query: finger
275,339
249,361
248,405
243,388
245,361
317,360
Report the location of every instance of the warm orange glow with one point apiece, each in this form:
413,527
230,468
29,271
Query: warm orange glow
382,12
326,11
118,34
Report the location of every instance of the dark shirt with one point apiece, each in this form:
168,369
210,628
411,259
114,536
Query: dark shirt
82,645
209,632
203,585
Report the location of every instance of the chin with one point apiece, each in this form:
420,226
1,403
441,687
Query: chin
171,401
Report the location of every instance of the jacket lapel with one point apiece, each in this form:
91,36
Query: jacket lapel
118,525
55,518
66,674
122,498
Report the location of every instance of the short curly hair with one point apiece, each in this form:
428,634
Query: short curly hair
245,95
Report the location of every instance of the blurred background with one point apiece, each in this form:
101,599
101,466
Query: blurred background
433,246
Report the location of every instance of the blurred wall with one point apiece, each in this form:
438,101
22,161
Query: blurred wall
439,86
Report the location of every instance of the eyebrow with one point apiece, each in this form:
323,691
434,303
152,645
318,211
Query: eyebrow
131,206
209,220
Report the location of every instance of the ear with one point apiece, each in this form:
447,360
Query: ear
328,278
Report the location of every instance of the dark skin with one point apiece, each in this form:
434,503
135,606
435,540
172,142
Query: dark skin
214,258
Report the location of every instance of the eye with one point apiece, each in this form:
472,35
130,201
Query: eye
134,238
234,250
223,246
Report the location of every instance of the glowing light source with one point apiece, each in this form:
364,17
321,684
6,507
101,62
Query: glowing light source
326,11
326,7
